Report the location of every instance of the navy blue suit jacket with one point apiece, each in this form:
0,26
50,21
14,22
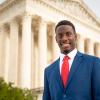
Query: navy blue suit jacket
83,82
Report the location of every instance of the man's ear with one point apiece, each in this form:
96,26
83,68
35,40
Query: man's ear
76,36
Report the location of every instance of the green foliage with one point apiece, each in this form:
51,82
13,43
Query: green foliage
8,92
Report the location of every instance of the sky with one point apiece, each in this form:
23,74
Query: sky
94,5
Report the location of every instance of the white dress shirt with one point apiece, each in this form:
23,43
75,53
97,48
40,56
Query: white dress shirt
72,54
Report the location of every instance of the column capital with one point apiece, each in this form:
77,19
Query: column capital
26,14
42,21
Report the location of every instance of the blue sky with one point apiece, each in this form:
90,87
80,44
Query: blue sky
94,5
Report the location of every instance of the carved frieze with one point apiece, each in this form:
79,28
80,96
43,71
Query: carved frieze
77,9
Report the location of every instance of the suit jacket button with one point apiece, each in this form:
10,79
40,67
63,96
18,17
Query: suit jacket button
64,96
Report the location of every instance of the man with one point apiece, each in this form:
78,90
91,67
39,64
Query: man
77,77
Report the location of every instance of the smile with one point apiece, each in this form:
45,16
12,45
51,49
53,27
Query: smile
65,45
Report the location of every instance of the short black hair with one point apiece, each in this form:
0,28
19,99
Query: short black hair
65,22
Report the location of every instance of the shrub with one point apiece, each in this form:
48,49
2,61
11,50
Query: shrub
9,92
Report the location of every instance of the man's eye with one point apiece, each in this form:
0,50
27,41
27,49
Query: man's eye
68,34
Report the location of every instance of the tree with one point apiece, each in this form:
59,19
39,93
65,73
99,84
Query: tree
9,92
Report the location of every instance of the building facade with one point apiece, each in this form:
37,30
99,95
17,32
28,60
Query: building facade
27,37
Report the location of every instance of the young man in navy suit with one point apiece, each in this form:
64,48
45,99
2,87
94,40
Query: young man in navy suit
83,78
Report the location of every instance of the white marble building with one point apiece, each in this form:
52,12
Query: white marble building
27,37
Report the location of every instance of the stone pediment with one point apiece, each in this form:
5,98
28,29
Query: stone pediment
77,9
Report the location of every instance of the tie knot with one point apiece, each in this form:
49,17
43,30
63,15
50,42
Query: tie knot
66,58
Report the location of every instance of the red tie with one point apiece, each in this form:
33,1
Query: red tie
65,70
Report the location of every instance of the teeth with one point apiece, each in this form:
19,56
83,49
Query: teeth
65,45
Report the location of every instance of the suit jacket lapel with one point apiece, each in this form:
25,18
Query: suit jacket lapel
58,76
75,65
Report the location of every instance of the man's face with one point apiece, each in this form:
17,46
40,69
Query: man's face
66,38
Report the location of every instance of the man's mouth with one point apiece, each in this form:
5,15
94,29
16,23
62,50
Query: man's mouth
65,45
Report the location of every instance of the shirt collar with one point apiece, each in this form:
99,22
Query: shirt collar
71,55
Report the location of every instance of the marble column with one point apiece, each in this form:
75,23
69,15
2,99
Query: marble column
42,50
33,71
26,52
89,47
13,58
2,51
7,49
97,49
56,49
80,43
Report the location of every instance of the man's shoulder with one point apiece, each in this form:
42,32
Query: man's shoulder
89,57
52,65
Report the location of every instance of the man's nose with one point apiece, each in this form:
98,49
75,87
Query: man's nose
65,37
